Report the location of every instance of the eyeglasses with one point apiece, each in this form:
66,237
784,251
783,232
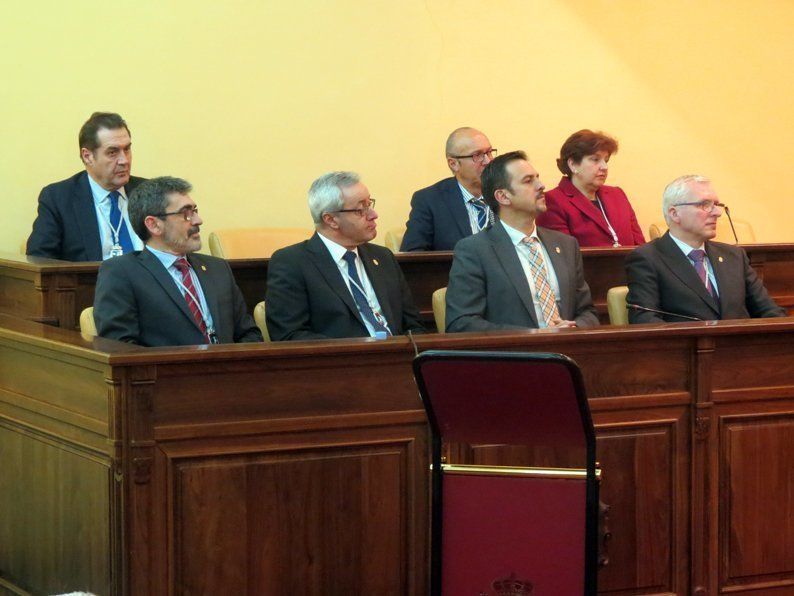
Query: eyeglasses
707,206
478,156
187,212
361,211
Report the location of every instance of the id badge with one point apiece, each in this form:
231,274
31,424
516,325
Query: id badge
116,250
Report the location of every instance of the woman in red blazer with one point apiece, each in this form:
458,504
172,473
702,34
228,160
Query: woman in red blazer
581,205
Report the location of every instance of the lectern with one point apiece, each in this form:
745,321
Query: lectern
510,529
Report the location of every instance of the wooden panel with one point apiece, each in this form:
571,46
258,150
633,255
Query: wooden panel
757,503
644,466
326,521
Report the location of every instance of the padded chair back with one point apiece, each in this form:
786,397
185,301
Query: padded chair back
744,231
252,243
440,309
261,319
87,324
394,238
616,305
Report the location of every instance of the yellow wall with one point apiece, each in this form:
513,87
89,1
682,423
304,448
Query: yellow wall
251,100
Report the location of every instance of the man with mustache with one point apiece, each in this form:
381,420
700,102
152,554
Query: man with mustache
685,273
167,294
337,284
84,218
515,275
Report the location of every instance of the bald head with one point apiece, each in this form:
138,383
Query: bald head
468,152
460,136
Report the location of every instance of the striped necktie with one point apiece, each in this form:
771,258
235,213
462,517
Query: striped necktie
543,290
191,296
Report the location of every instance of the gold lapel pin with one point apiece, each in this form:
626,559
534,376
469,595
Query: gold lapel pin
203,267
557,248
375,261
719,259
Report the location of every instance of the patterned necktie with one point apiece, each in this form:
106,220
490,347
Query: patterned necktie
358,293
191,295
546,297
697,257
482,212
123,238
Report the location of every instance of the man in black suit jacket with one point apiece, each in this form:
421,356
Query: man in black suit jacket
165,295
451,209
68,226
685,273
336,284
515,275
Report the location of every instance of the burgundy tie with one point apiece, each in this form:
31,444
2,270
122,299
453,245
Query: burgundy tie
697,257
191,295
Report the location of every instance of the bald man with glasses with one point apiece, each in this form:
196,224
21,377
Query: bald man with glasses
685,275
452,208
337,284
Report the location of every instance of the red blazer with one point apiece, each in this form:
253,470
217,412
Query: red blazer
570,212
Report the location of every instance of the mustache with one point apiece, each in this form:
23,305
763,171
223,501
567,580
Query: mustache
193,230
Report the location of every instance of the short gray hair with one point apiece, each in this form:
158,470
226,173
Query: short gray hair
678,191
151,198
325,193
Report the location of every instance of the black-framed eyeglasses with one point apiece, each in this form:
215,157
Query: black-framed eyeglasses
362,211
478,156
187,212
707,206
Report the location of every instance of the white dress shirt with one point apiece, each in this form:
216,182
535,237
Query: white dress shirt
686,249
102,208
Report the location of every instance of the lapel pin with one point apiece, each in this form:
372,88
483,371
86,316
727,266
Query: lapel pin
203,267
375,261
557,248
719,259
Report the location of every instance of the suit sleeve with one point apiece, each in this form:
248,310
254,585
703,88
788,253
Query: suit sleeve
585,313
467,293
46,238
287,300
419,227
643,288
759,303
115,306
555,217
245,329
412,320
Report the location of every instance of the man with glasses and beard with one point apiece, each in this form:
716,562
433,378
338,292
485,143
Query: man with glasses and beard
166,294
453,208
337,284
685,273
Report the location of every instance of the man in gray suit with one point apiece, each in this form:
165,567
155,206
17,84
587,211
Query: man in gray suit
686,273
514,274
165,294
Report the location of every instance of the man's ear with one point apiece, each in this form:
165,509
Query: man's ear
154,225
330,221
87,156
454,164
502,196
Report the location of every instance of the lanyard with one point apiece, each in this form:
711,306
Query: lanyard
202,312
615,243
376,312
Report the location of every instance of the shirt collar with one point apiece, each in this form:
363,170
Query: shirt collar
337,250
516,236
685,248
99,193
166,258
467,196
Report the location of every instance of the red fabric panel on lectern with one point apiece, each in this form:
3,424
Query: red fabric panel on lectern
505,402
494,526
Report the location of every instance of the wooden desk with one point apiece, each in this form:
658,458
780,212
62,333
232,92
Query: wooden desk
55,292
303,468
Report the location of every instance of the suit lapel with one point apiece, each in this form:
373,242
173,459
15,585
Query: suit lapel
329,270
453,198
378,280
85,215
681,267
207,287
153,265
583,204
507,257
560,262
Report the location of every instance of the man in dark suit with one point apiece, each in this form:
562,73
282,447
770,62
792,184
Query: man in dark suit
685,273
83,218
165,294
336,284
515,275
453,208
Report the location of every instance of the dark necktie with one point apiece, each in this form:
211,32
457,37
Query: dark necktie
191,296
697,257
123,238
482,212
358,293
